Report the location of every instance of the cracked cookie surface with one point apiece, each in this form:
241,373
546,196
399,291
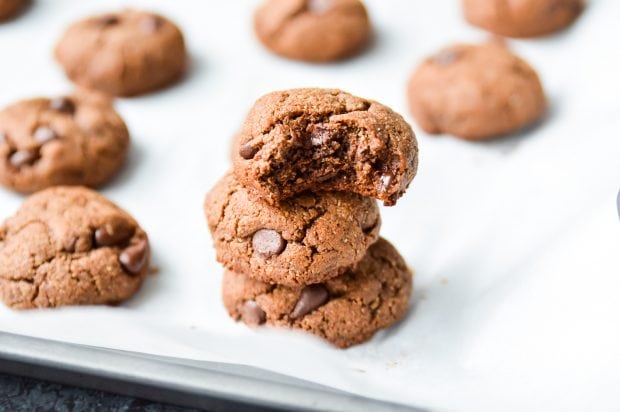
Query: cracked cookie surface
345,310
522,18
306,239
123,54
313,30
476,92
324,140
70,140
70,246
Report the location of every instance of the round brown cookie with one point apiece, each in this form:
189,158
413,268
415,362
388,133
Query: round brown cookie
313,30
10,8
475,92
324,139
346,310
66,140
522,18
70,246
308,238
123,54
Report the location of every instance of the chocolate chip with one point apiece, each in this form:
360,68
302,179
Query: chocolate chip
151,24
319,136
446,57
63,105
247,151
252,314
268,242
312,296
384,182
25,157
107,20
44,134
135,257
113,232
319,6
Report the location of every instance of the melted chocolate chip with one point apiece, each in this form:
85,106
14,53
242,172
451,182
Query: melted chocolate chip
107,20
252,314
63,105
319,136
446,57
319,6
312,296
44,134
247,151
21,158
384,182
113,232
268,242
151,24
135,256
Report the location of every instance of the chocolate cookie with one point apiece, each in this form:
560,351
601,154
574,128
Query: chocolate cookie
475,92
306,239
10,8
346,310
70,246
324,139
313,30
123,54
66,140
522,18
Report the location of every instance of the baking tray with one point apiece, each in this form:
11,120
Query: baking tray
206,385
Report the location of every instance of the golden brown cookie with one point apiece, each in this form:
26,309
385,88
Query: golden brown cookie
313,30
70,246
67,140
297,140
522,18
476,92
345,310
307,239
123,54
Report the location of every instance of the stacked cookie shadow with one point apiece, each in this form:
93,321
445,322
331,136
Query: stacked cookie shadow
296,223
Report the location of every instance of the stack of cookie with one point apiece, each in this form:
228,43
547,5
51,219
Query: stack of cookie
295,223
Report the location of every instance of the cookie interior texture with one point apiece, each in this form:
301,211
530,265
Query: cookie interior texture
78,140
313,30
522,18
475,92
70,246
324,139
345,310
308,238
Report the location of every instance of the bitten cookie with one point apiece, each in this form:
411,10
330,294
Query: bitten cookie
475,92
10,8
70,246
71,140
123,54
522,18
324,139
313,30
346,310
307,239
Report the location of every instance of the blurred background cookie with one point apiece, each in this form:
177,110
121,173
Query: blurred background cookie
123,54
313,30
10,8
475,92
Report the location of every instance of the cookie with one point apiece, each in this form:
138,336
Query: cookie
72,140
313,30
10,8
324,140
70,246
308,238
123,54
475,92
346,310
522,18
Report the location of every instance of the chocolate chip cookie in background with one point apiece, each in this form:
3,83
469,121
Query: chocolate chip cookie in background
123,54
11,8
345,310
313,30
475,92
324,140
306,239
522,18
67,140
70,246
